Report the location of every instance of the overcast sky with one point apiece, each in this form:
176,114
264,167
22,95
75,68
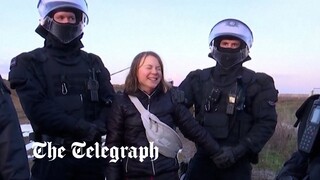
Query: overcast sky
286,35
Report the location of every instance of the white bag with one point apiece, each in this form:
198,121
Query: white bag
163,136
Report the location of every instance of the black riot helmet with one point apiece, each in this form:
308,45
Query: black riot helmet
65,32
231,29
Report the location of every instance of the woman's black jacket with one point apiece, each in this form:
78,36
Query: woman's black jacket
125,128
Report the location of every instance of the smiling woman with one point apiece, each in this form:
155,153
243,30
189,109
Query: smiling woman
146,73
137,125
149,74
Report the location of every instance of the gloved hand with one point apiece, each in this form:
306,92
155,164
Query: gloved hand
101,126
86,130
225,158
229,156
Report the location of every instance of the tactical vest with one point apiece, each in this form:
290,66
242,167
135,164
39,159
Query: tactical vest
67,83
223,107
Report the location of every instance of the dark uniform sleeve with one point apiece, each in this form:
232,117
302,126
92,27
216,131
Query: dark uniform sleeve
45,115
106,94
264,114
192,130
106,90
115,135
13,156
190,87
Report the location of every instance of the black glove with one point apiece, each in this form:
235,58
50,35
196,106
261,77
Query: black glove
229,156
86,130
101,126
225,158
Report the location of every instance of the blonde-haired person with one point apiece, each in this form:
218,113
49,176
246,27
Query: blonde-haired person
125,127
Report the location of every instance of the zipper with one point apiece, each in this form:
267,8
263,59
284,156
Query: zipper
127,162
153,169
81,98
148,108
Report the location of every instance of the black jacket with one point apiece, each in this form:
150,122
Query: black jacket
52,84
13,156
125,128
255,123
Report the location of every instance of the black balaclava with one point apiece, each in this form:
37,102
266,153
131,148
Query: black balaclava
227,57
56,47
63,53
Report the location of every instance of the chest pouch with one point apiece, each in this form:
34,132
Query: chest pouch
71,104
217,124
212,100
93,86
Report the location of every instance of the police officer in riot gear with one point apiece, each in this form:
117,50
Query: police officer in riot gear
13,158
235,104
64,91
304,163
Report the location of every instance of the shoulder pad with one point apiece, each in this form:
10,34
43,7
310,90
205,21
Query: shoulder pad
266,89
248,75
36,55
205,73
201,74
93,57
264,80
23,57
194,73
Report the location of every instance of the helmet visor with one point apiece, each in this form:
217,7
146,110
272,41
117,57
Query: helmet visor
64,32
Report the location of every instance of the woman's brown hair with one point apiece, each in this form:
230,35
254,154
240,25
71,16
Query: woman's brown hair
132,84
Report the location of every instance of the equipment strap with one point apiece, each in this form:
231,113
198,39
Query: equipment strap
164,137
